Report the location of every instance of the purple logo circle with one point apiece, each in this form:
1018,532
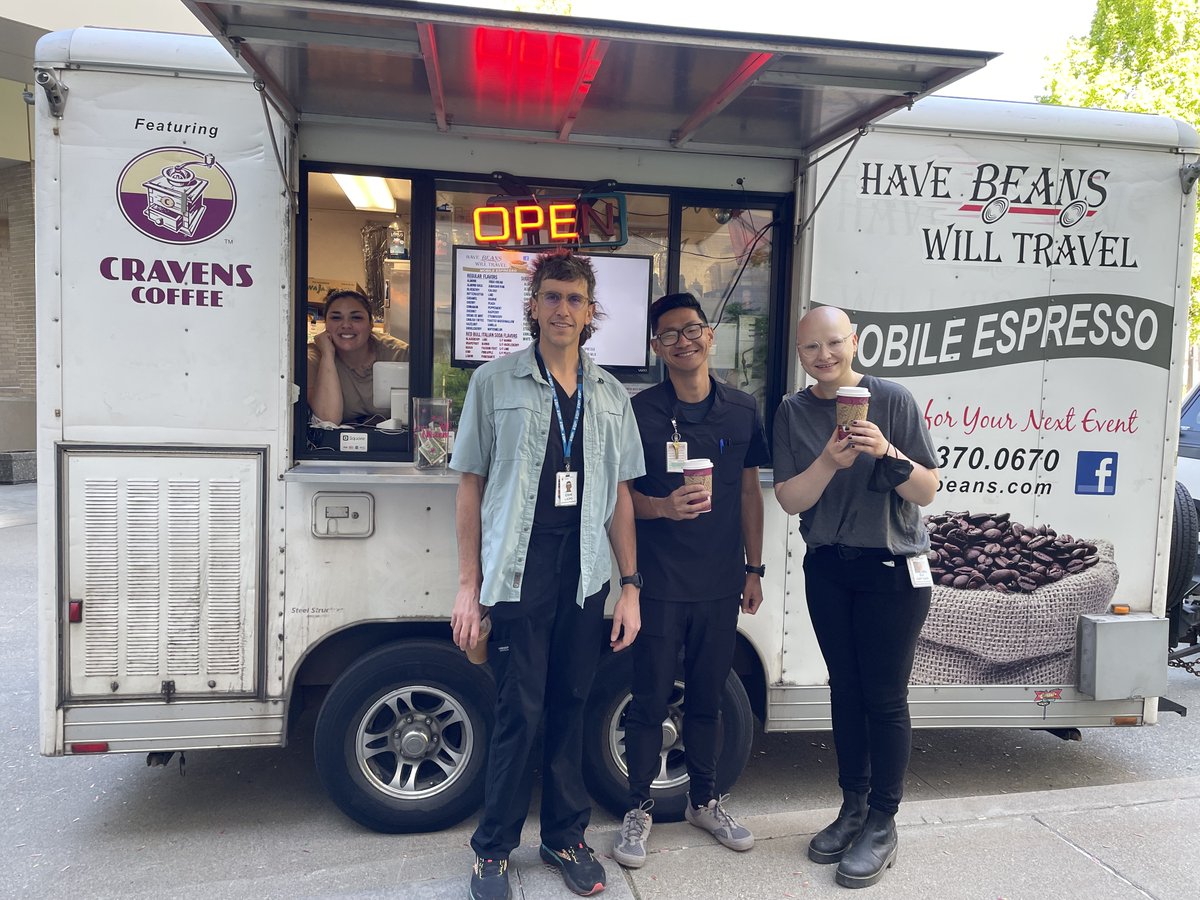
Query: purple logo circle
176,195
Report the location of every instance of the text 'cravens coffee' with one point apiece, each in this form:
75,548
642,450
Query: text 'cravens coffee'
174,283
177,196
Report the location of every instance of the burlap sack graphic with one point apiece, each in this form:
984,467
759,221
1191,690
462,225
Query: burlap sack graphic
984,637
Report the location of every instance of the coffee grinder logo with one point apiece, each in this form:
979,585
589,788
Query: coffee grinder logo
176,195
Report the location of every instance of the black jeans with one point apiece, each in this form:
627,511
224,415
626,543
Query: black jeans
544,651
867,616
706,631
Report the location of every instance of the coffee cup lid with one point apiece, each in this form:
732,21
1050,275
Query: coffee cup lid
853,392
698,464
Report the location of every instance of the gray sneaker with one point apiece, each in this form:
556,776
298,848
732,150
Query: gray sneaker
720,824
629,848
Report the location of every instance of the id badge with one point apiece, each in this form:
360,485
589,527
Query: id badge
918,571
564,489
676,455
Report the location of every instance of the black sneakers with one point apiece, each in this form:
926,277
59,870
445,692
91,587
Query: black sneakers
580,870
489,879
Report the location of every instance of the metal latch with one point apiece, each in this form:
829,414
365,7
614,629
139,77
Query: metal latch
168,690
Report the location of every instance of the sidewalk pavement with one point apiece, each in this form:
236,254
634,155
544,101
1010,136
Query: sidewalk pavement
1134,840
18,504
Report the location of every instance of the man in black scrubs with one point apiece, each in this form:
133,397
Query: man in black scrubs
547,447
701,558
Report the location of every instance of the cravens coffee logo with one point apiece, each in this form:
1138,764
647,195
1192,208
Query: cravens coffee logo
176,195
1005,214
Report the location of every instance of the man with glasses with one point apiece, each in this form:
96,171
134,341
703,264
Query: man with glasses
547,446
701,555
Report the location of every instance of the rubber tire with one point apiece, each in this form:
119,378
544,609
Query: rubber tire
434,664
606,777
1185,525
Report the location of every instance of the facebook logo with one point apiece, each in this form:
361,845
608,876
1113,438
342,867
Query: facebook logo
1096,472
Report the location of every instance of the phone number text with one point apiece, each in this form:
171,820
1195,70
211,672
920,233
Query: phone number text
1019,460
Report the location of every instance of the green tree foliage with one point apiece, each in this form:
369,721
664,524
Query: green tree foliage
1140,56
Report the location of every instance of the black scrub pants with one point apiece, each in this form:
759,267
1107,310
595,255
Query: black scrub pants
706,631
867,616
544,651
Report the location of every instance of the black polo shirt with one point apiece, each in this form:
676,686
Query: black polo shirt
703,558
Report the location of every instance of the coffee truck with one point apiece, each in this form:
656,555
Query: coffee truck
214,560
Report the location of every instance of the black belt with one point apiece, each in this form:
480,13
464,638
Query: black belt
846,552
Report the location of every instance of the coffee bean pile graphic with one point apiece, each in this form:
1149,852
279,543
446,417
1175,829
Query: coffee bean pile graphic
988,552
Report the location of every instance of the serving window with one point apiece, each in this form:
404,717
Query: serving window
356,365
383,274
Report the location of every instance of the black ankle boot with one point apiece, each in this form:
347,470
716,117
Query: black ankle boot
871,854
828,845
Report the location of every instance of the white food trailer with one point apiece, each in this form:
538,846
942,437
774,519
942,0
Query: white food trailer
210,563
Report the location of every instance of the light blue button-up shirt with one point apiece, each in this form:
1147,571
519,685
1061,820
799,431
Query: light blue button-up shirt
502,437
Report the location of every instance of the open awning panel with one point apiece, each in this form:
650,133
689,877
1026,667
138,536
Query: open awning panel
584,81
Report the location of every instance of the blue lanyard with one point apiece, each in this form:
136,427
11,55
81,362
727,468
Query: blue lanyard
567,440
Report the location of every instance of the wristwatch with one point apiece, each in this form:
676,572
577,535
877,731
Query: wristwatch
635,579
760,571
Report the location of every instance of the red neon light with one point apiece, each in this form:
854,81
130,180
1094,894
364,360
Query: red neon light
525,73
494,211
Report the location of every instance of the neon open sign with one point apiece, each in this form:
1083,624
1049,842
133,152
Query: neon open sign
589,220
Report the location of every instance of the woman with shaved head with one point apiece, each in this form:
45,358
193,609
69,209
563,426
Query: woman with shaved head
858,494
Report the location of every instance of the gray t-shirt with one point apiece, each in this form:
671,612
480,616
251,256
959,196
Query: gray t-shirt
849,512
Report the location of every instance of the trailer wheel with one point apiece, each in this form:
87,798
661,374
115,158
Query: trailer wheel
402,737
1185,525
604,769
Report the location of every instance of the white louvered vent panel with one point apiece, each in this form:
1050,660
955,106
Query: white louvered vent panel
224,600
101,583
183,577
143,584
165,551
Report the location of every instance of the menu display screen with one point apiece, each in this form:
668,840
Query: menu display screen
491,290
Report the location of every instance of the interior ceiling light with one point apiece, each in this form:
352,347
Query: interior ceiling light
367,192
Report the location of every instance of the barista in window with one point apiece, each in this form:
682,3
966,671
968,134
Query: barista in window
340,359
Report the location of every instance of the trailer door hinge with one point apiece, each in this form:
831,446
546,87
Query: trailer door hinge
56,91
168,690
1189,175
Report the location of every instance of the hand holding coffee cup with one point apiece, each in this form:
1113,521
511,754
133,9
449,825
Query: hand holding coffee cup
699,471
479,653
853,404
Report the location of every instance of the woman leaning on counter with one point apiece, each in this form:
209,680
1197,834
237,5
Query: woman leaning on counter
340,360
859,498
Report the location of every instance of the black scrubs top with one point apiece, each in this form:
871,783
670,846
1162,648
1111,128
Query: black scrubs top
703,558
